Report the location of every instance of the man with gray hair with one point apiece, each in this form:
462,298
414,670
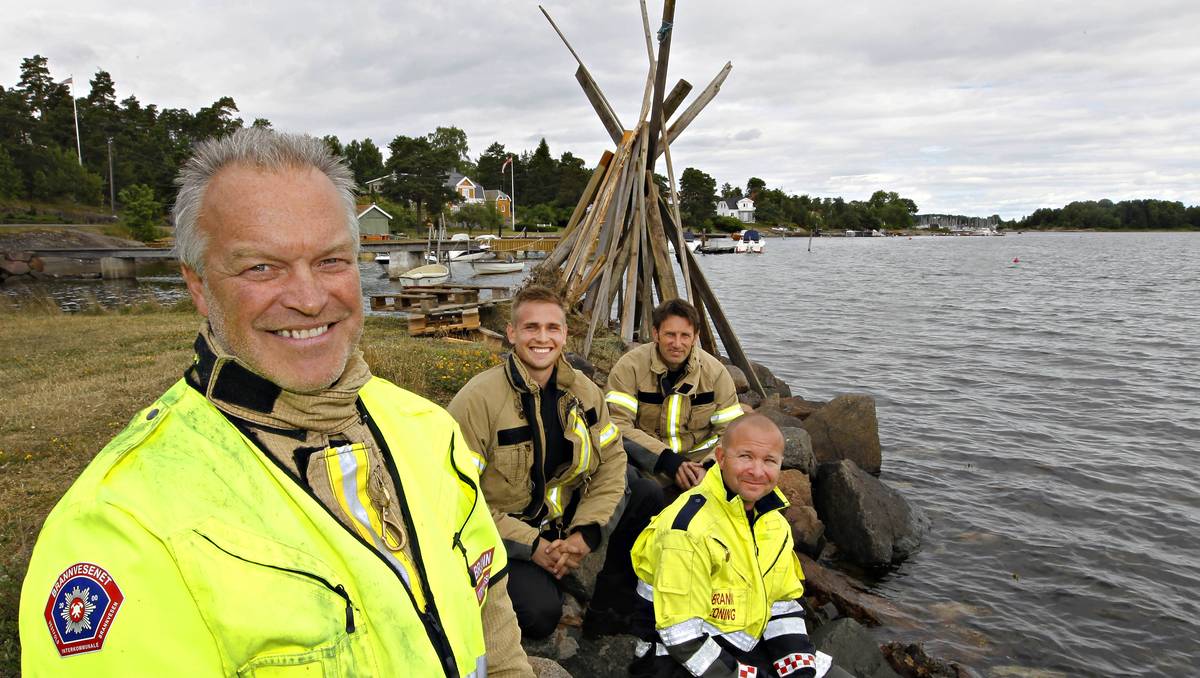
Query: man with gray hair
279,509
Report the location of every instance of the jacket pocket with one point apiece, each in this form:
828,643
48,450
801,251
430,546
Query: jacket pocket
700,418
512,463
272,609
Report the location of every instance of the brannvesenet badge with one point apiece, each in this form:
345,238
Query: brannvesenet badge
81,608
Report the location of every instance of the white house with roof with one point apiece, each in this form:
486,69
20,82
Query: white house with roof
741,209
465,187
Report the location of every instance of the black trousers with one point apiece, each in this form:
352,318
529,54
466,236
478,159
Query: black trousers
537,596
616,584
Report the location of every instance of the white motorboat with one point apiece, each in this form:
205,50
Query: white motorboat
751,242
689,239
430,274
494,267
383,259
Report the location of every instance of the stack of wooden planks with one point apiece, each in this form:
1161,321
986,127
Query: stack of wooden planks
613,258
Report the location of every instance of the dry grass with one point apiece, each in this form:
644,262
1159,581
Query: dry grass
67,385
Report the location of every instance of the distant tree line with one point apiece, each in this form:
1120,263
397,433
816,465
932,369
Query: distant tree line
39,160
1131,215
774,207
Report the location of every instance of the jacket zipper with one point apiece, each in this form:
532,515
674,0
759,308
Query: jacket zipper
430,617
338,588
533,413
433,627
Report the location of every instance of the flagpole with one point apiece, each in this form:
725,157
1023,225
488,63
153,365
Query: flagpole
75,108
512,186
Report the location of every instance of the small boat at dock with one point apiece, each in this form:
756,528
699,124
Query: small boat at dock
430,274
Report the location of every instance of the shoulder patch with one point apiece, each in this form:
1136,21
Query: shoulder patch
689,511
80,610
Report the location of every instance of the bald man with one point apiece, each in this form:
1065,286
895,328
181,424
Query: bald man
719,583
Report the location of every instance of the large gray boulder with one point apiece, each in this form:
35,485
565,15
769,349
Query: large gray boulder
799,407
740,383
807,530
798,450
750,398
771,384
871,523
770,409
846,428
853,649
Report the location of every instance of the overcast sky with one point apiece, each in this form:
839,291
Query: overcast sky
964,106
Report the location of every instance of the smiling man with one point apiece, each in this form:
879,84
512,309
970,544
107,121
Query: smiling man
555,473
718,582
279,508
671,399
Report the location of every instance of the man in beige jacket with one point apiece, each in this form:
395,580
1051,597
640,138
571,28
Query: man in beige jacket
671,399
554,472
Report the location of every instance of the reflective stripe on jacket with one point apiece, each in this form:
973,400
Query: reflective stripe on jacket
499,411
228,567
719,585
687,418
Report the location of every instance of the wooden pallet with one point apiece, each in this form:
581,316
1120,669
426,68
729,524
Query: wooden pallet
428,298
443,322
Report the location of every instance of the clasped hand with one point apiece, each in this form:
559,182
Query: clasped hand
561,556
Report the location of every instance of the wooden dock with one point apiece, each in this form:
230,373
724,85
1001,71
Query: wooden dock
440,309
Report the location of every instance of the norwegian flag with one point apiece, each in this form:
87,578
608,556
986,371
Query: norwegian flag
506,165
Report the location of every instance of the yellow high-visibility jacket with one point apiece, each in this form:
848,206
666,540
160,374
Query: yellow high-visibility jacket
183,549
719,585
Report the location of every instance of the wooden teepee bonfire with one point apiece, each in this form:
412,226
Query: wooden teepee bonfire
613,253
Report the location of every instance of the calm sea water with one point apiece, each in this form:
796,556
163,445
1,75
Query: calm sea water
1045,414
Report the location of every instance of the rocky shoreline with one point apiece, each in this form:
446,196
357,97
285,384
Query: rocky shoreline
843,517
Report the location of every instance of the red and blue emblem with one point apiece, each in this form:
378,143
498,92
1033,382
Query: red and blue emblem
81,608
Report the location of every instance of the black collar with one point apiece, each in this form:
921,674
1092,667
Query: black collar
226,380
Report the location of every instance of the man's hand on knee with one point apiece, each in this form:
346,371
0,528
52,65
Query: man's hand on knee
689,475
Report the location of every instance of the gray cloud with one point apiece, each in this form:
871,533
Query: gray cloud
965,107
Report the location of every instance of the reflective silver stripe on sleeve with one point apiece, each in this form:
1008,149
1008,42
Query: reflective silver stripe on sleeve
623,399
640,648
728,414
784,627
784,607
705,444
645,590
609,434
703,658
739,639
683,631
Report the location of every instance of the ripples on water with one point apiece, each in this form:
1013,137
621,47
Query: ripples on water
1045,414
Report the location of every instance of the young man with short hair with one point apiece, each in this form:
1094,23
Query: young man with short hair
553,469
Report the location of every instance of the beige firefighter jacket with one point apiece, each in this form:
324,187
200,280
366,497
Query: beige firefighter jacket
686,419
499,412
